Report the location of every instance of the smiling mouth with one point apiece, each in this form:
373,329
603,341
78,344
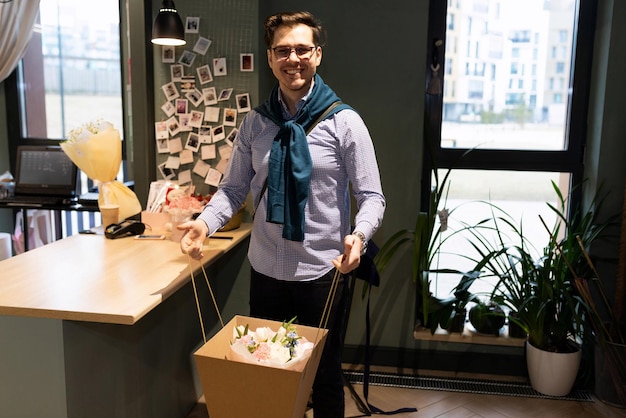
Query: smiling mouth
293,72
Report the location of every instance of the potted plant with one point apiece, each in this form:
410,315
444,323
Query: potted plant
423,242
540,286
487,317
450,313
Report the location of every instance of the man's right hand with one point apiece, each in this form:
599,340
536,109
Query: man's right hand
193,239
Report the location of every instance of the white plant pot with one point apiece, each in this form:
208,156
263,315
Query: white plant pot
552,374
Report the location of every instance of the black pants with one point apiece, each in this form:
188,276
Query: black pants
280,300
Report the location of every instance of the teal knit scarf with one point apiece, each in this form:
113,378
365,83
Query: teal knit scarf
290,165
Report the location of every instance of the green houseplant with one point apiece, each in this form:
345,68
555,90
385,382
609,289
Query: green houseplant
540,285
423,243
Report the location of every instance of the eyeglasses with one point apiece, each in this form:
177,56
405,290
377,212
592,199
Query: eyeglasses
303,52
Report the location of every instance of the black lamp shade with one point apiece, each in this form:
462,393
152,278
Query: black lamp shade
168,28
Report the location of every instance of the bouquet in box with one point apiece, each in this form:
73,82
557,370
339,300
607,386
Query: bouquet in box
182,205
96,148
282,349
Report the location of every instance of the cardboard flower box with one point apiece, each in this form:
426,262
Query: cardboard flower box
235,389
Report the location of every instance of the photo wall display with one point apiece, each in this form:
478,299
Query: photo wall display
201,110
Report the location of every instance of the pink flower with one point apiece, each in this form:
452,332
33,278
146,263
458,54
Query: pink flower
262,352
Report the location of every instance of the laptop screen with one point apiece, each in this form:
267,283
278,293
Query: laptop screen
45,170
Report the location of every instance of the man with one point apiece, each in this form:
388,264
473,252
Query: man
300,184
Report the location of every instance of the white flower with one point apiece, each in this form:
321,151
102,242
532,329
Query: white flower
263,334
279,353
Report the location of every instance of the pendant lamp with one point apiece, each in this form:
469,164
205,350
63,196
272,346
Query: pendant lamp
168,28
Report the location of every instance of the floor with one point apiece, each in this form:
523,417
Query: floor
441,404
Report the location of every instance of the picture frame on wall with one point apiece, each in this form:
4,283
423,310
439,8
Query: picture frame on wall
246,62
192,24
168,54
202,45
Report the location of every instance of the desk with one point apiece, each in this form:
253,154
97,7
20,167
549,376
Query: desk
57,208
104,328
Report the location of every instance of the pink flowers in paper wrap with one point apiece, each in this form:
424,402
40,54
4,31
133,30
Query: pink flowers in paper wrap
181,205
283,348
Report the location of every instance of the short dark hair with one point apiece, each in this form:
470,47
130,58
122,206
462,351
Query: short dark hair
291,19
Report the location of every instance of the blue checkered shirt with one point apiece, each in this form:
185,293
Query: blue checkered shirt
343,160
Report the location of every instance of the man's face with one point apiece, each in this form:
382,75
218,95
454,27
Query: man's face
294,72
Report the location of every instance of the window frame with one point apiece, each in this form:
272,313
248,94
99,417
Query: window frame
14,107
570,160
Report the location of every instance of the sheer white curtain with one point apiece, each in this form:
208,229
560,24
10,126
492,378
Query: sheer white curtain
17,18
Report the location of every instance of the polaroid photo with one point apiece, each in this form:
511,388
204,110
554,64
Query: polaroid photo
170,90
184,177
202,45
210,96
222,165
243,102
213,177
186,156
160,130
219,67
166,173
196,118
225,94
230,117
201,168
212,114
204,74
183,121
162,145
176,72
168,108
175,145
172,162
204,133
168,54
187,58
193,142
173,126
192,25
218,133
195,97
232,135
182,106
225,151
187,83
246,62
208,152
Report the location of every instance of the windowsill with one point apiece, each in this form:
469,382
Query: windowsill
469,336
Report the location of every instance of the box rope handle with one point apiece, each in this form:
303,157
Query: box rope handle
323,321
195,294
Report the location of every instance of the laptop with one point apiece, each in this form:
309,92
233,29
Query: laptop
44,175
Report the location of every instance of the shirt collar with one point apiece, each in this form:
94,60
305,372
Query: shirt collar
300,103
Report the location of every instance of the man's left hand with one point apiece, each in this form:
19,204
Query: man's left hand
351,257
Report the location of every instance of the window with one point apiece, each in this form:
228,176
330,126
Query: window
72,69
70,74
522,135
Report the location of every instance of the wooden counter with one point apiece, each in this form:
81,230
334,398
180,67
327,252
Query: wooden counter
92,327
91,278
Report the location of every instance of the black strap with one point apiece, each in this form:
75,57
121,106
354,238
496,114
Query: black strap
308,131
368,273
